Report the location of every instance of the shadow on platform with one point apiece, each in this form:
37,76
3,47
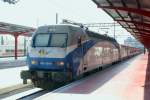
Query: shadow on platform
99,79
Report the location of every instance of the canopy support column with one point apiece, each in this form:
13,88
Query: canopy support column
16,46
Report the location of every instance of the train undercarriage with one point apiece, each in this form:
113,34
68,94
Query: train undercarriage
46,79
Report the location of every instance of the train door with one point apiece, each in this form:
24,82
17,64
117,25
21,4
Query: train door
85,59
105,54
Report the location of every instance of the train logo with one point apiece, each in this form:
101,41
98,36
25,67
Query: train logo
42,52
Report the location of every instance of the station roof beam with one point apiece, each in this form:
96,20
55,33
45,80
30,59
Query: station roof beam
133,15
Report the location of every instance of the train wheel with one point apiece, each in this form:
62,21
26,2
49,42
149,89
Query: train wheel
100,68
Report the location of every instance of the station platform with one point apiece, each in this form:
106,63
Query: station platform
12,58
10,77
128,80
10,62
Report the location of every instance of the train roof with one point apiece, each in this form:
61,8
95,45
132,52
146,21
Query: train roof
63,27
60,25
100,36
128,46
53,28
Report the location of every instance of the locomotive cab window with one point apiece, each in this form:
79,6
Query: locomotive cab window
59,40
50,40
41,40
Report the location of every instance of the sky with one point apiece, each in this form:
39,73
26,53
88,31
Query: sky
36,13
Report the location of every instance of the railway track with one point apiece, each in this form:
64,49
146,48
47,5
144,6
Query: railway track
30,94
34,95
25,93
9,91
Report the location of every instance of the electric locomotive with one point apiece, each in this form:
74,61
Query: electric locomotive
60,53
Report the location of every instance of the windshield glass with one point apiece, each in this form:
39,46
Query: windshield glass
41,40
58,40
53,40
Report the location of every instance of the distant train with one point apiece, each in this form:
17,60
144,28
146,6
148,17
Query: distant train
59,53
9,50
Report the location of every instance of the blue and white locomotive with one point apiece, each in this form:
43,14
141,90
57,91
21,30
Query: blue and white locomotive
59,53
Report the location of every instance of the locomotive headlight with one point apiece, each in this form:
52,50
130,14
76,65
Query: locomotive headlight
60,63
34,62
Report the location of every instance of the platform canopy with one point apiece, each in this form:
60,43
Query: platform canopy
133,15
13,29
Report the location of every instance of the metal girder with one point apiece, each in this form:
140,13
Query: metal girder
144,32
135,22
2,32
140,30
15,33
132,10
133,28
147,34
137,28
142,35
